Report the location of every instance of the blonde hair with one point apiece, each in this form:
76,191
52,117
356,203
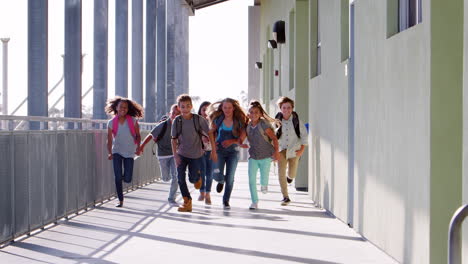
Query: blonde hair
239,117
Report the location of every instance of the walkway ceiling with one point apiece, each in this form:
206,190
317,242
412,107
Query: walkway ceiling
199,4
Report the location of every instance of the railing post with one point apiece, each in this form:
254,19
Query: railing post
454,236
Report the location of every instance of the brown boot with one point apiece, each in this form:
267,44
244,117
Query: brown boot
198,184
186,206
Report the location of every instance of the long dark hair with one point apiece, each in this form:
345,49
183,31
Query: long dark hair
134,108
205,103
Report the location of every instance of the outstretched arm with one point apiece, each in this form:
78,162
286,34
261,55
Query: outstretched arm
213,155
145,141
109,143
138,137
273,137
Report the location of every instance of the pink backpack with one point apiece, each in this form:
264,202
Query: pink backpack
115,127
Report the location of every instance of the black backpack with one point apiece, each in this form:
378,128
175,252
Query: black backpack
295,121
164,120
196,124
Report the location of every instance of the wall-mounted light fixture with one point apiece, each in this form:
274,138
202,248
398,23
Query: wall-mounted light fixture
272,44
258,65
278,32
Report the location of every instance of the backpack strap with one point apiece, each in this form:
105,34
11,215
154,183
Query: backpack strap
131,126
163,130
296,124
197,126
178,126
279,131
295,120
260,129
115,125
262,132
219,121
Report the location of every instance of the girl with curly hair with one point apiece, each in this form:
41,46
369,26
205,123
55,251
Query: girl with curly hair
123,139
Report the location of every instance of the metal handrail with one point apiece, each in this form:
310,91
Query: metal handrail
144,125
454,236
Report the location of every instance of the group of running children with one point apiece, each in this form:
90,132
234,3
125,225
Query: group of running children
208,145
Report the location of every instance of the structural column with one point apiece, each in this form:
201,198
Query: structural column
121,48
170,52
254,53
162,103
301,81
100,70
5,76
73,59
179,54
37,59
150,99
137,51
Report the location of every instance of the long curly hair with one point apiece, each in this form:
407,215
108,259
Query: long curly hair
256,104
134,108
239,116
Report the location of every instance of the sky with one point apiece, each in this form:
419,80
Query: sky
217,50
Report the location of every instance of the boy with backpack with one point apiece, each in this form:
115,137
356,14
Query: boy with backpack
162,136
292,136
187,146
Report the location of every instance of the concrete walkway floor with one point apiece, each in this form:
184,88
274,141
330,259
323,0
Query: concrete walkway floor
148,230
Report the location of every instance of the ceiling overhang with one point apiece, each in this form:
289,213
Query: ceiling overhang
199,4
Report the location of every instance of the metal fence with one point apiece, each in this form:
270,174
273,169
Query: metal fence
46,175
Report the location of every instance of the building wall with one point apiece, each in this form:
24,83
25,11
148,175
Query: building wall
273,86
329,118
386,156
390,201
392,139
254,53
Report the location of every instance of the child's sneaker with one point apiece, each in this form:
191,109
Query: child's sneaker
285,201
289,180
264,189
253,206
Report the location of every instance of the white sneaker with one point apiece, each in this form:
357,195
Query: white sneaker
253,206
264,189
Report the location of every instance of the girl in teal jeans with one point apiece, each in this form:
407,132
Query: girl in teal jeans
262,150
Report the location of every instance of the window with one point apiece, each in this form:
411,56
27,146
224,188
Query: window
344,30
319,42
314,39
409,13
402,14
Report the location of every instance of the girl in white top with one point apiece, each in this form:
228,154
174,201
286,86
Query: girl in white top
292,136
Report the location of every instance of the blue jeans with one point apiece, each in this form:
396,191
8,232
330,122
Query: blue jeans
169,172
254,166
118,161
229,160
207,173
194,168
